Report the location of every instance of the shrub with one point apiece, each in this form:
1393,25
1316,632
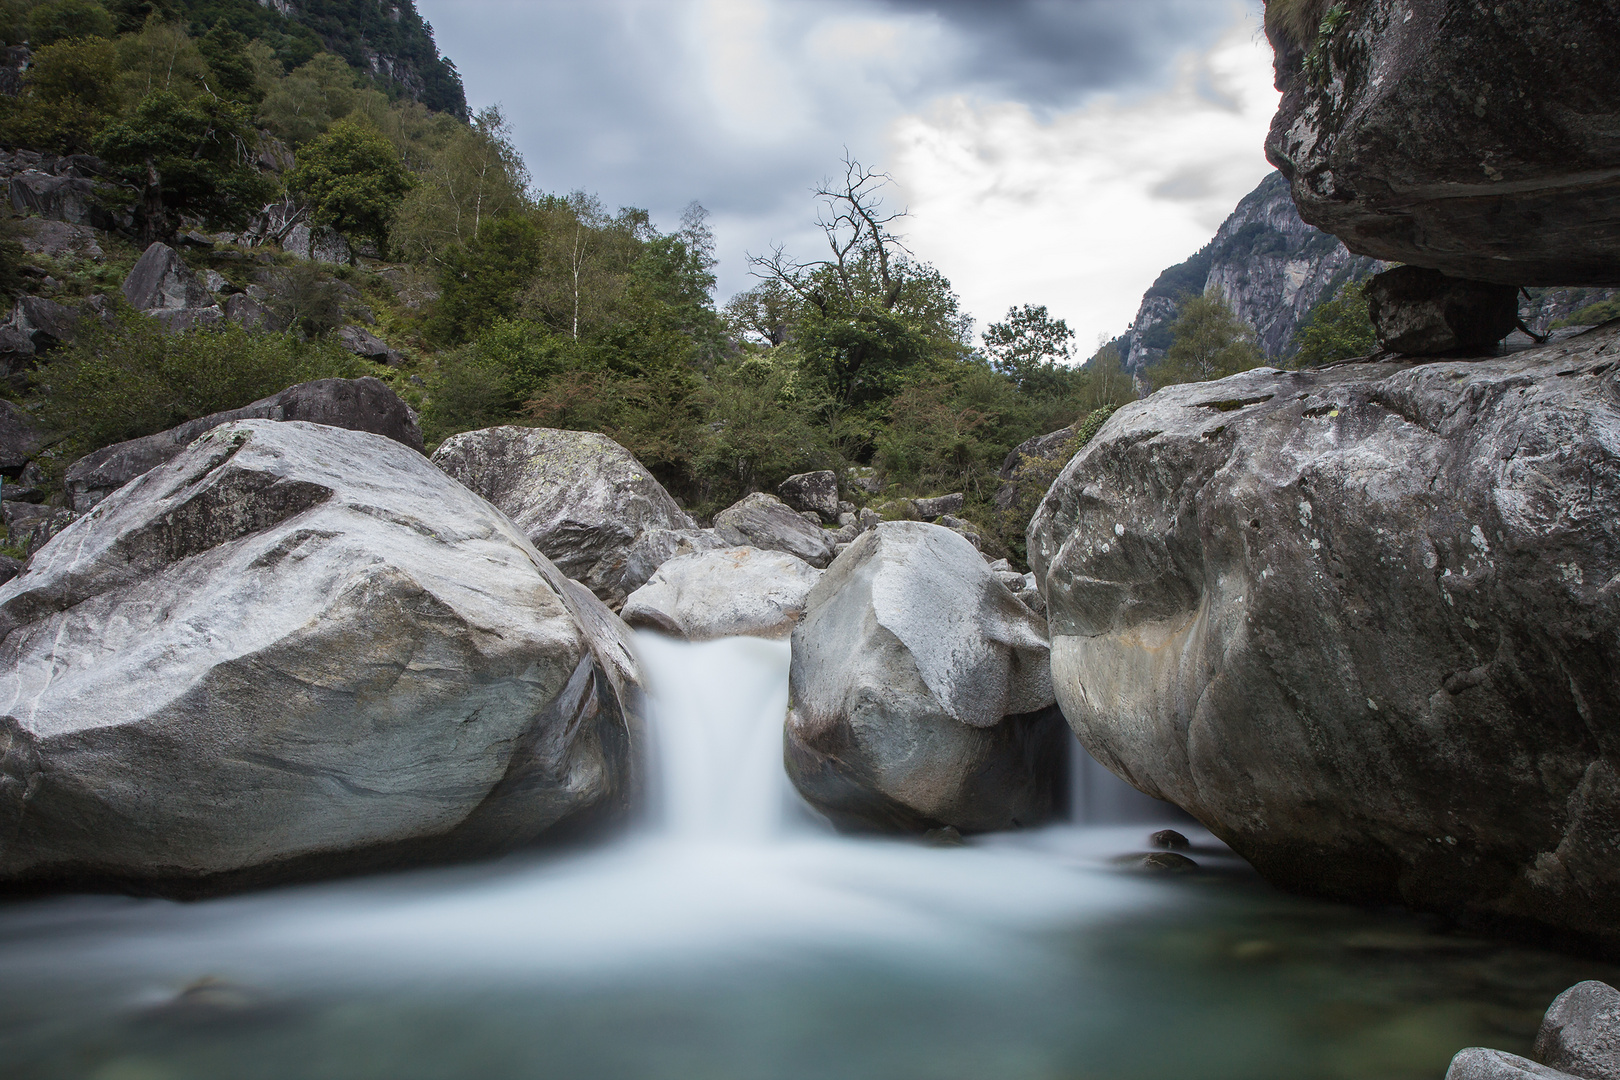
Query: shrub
133,378
1336,329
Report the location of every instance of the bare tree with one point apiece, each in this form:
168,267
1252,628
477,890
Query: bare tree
857,228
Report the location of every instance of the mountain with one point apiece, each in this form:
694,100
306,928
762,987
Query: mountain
1271,267
387,38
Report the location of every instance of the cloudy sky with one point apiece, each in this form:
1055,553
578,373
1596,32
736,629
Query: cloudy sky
1059,152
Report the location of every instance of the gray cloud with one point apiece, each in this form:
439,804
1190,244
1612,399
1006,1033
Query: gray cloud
744,104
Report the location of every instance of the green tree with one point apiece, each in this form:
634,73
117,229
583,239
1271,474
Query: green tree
1208,342
1028,345
69,92
62,20
476,176
352,179
197,157
759,426
306,102
161,56
1336,329
231,67
483,280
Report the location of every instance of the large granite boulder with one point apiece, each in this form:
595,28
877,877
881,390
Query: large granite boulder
921,693
59,198
295,650
1423,312
20,438
714,594
364,404
764,521
1361,622
579,497
160,280
1480,139
652,548
812,492
1015,476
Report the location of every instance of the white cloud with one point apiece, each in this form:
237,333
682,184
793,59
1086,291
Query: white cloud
1082,209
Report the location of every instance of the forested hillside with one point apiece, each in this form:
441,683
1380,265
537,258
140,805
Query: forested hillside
327,220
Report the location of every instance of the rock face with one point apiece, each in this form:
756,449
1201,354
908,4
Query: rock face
764,521
1361,622
1423,312
1579,1037
921,693
1477,139
1271,267
160,280
20,438
714,594
816,492
290,651
652,548
364,404
579,497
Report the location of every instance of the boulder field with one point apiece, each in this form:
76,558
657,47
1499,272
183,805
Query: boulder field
293,650
921,692
1362,622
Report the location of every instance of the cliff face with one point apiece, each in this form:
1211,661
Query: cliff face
1479,139
1271,267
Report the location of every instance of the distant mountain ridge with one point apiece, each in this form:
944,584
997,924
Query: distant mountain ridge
1271,267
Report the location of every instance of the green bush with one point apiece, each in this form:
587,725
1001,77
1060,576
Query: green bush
133,378
1336,329
60,20
69,92
352,179
1592,314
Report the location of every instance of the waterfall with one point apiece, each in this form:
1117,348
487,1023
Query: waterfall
715,728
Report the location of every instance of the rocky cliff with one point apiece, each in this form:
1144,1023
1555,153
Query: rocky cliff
1268,264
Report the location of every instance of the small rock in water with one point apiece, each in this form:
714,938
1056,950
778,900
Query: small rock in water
1581,1031
944,837
1170,840
1165,862
209,1000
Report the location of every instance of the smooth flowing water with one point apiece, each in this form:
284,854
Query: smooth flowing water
734,936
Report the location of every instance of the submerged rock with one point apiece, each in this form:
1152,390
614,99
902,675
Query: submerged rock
295,650
764,521
921,694
579,497
713,594
364,404
1479,139
1361,622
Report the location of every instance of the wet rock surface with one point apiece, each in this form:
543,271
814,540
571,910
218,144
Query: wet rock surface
294,650
921,694
1477,139
713,594
363,404
1361,623
579,497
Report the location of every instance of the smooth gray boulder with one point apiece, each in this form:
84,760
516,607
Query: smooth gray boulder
59,198
1425,313
295,650
764,521
1478,1063
727,593
921,693
929,509
1581,1032
368,346
42,236
652,548
815,492
179,320
160,280
1361,622
579,497
251,313
364,404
